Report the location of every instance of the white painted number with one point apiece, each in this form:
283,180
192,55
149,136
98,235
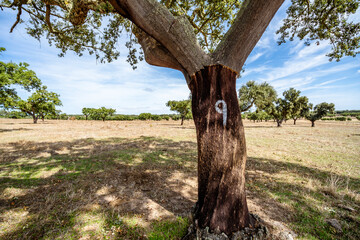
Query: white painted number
222,110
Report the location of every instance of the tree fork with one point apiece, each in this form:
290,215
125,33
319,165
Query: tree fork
221,202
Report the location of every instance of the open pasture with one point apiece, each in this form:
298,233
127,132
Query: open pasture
138,179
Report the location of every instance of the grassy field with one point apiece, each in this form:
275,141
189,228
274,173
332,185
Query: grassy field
137,180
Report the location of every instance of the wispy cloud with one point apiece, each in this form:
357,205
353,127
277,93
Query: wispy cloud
254,57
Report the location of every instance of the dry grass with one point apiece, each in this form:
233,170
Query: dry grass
137,180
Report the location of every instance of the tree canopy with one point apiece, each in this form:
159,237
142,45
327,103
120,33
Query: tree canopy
259,95
11,75
96,26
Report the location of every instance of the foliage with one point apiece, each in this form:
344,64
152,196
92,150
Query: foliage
259,95
299,104
11,75
144,116
155,117
352,113
39,104
323,20
320,111
279,110
182,107
87,112
101,113
258,116
336,119
99,31
121,117
12,114
103,28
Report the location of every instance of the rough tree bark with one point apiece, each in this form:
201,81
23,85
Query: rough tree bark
221,151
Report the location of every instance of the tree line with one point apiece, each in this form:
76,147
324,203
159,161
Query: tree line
268,106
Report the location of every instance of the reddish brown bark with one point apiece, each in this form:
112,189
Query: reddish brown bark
221,151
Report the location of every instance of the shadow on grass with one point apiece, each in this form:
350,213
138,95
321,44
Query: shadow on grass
301,196
95,188
260,126
14,130
144,188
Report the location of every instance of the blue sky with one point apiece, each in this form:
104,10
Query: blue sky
81,82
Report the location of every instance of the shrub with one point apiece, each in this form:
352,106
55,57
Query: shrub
121,117
144,116
155,117
340,119
358,117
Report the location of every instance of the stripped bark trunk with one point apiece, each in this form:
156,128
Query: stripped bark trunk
221,202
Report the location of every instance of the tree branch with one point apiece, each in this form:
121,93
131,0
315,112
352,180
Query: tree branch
17,18
250,23
155,54
175,34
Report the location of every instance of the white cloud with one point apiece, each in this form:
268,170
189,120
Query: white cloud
254,57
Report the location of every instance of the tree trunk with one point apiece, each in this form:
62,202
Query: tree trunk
295,121
221,202
312,123
279,122
35,119
182,120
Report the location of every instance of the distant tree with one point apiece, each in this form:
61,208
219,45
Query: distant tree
101,113
320,111
39,104
87,112
11,75
299,104
252,116
253,94
182,107
279,110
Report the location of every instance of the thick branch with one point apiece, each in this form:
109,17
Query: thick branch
155,54
250,23
175,34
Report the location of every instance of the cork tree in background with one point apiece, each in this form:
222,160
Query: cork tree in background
253,94
299,104
320,111
182,107
208,41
